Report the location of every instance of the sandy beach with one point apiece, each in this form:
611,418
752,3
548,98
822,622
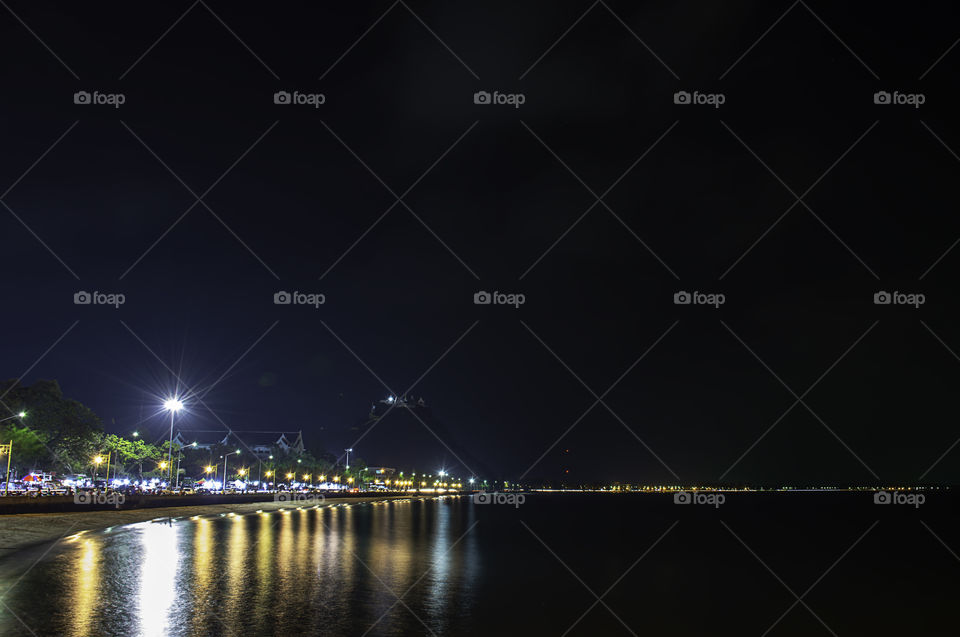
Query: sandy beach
20,531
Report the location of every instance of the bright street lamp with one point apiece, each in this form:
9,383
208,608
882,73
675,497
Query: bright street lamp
173,405
22,414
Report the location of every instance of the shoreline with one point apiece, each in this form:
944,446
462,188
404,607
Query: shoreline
22,531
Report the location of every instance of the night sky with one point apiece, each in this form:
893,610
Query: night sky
399,198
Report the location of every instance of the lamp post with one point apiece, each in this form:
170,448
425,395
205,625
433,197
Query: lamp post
348,457
7,449
96,465
22,414
224,488
173,405
260,469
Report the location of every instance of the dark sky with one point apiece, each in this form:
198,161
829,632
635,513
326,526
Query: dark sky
288,189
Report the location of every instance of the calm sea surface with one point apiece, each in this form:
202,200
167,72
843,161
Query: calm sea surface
590,564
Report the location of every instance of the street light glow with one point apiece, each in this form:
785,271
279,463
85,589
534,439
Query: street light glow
173,404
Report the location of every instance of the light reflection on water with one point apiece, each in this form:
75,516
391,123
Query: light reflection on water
85,581
327,570
158,577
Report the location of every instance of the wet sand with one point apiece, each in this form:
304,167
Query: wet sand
20,531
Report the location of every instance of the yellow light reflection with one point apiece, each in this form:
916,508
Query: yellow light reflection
265,572
234,584
203,576
85,589
158,578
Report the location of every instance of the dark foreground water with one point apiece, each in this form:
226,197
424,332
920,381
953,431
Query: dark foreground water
451,567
